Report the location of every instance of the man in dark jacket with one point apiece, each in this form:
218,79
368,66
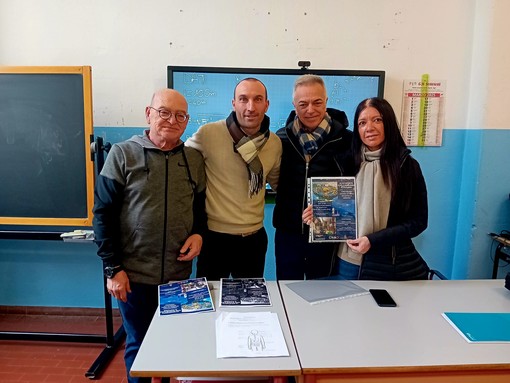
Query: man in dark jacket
316,143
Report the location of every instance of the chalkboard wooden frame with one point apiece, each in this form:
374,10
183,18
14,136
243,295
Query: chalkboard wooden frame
81,175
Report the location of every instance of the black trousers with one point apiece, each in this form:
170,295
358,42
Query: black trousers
236,256
297,259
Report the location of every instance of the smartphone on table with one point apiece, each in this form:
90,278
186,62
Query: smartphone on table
382,298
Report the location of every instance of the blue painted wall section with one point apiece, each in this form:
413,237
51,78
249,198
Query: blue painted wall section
468,182
492,200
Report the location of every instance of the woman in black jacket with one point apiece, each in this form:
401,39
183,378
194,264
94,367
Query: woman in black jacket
391,201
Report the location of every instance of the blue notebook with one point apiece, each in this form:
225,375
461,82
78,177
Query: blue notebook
481,327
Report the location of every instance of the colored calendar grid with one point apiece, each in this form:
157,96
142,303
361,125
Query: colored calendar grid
423,112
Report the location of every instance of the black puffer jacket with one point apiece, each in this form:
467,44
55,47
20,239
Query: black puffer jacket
329,161
392,255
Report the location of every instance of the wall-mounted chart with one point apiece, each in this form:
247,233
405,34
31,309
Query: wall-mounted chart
423,107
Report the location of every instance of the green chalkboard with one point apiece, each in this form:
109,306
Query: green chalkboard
46,172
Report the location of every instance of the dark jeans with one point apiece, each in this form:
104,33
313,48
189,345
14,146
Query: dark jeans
346,271
137,314
296,258
225,255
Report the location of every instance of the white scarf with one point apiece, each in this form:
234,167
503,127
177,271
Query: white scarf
373,200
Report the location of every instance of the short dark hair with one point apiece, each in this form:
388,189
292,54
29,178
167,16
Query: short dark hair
250,79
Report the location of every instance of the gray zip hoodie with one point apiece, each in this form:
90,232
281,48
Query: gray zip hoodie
147,203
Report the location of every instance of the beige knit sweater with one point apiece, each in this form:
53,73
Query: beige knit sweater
228,204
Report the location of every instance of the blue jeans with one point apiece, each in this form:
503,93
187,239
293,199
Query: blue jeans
346,271
137,315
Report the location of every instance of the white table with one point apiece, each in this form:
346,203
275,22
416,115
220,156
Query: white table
184,345
354,340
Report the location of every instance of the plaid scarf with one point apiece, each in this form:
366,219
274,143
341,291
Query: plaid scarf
312,141
249,149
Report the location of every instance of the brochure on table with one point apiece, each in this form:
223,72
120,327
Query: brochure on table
244,292
187,296
333,200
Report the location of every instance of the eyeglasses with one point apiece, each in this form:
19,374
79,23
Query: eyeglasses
166,115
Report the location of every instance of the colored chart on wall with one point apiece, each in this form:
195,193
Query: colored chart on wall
423,108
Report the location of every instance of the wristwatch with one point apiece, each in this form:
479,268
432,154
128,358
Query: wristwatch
110,271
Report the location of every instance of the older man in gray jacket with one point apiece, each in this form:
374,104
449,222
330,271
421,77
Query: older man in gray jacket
149,215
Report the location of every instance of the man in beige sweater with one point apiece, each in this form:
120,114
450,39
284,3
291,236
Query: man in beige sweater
240,155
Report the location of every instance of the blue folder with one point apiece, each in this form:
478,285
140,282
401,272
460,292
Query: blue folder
481,327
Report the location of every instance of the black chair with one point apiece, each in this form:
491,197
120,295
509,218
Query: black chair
436,274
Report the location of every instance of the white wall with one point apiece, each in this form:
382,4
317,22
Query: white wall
129,43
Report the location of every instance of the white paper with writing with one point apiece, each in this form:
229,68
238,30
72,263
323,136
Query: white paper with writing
250,335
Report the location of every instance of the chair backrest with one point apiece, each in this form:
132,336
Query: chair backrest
435,273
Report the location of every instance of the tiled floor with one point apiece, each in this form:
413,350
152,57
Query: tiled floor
55,362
